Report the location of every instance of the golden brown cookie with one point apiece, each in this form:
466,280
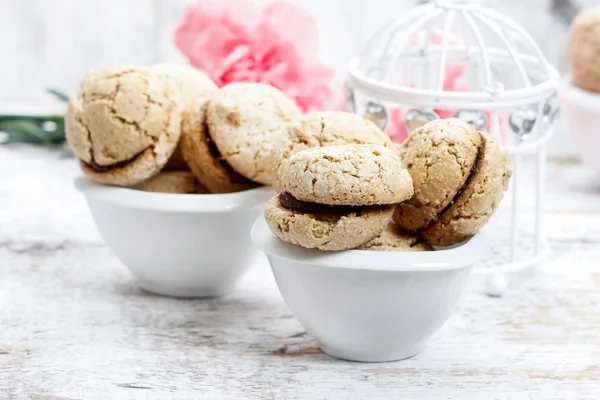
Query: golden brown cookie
394,238
244,120
337,197
189,85
202,156
477,200
330,232
172,182
359,175
439,157
123,124
583,50
326,128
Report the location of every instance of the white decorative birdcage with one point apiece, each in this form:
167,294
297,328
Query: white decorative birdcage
507,87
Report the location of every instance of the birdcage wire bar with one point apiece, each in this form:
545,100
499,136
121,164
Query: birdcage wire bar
405,48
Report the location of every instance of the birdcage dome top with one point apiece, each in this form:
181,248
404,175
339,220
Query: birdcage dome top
411,59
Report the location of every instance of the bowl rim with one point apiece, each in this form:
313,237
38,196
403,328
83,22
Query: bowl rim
460,256
568,91
173,202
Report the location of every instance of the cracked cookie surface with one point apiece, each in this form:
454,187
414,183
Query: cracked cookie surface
477,201
326,128
244,120
329,232
583,50
394,238
202,158
172,182
360,175
439,157
122,124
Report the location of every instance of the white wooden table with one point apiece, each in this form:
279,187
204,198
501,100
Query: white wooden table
73,324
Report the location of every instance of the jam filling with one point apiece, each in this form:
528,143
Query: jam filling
104,168
474,168
235,177
290,202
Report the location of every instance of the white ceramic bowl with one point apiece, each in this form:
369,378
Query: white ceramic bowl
581,112
180,245
369,306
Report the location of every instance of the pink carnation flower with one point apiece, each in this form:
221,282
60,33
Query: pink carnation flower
233,41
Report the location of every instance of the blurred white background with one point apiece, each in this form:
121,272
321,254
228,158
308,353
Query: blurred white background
53,43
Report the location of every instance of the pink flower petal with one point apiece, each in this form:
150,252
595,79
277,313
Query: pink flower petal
294,25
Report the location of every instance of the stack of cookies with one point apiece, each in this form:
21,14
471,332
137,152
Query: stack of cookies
169,128
340,180
441,188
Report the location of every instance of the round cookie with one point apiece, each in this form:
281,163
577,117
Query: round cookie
326,128
439,157
360,175
330,232
172,182
189,84
477,201
394,238
244,120
203,158
123,124
583,50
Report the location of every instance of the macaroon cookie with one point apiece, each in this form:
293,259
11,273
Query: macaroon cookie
394,238
583,50
326,128
338,197
360,175
189,84
123,124
472,208
244,120
182,182
203,157
439,156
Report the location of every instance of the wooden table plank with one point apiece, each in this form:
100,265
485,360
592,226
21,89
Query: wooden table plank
74,325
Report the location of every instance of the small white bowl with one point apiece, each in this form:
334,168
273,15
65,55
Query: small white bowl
369,306
179,245
581,111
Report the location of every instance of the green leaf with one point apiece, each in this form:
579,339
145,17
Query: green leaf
31,129
58,94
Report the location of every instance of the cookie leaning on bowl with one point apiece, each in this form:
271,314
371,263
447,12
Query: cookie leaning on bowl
459,177
227,141
476,201
123,124
338,197
322,129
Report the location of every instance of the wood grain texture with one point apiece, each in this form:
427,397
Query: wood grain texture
74,325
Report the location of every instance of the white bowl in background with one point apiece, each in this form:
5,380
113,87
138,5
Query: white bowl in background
180,245
369,306
581,112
